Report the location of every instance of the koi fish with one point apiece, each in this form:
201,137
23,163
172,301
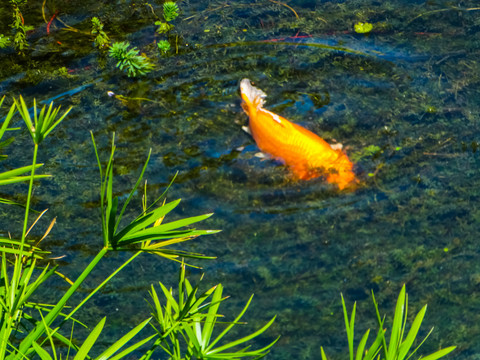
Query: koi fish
306,154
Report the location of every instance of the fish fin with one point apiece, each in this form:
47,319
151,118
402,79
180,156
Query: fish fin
274,116
251,95
247,130
262,156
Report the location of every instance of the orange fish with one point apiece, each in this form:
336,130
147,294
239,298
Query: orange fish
306,154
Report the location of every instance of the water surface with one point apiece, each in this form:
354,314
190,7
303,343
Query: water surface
409,88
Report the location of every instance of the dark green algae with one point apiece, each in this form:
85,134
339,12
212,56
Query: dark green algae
410,88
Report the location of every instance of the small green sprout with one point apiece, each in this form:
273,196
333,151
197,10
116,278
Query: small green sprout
170,11
163,27
129,59
363,28
4,41
101,39
163,46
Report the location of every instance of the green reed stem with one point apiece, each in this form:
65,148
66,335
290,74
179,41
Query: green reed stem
15,290
102,285
39,330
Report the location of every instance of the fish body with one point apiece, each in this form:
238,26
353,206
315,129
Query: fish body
305,153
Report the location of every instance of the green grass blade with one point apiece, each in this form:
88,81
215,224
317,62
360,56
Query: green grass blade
374,349
44,275
42,353
90,340
361,345
132,348
8,118
41,122
96,154
23,110
380,321
111,217
18,171
397,326
439,353
412,334
137,184
157,308
51,127
322,352
163,194
211,317
192,336
180,288
122,341
110,203
232,324
244,339
420,345
170,298
147,219
349,326
22,179
197,305
165,227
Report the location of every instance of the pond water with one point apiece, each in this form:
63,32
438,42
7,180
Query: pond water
403,100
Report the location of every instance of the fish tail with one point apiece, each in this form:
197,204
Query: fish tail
253,97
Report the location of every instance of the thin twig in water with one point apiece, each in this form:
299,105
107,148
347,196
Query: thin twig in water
43,11
287,6
442,10
205,11
439,154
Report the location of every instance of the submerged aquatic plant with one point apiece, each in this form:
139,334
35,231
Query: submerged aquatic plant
129,59
163,46
20,38
170,12
101,39
363,27
4,41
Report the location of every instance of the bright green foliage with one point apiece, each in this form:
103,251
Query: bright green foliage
4,41
20,38
101,38
372,151
129,59
170,11
163,46
15,175
163,27
363,28
400,345
144,230
192,318
42,123
5,124
21,276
